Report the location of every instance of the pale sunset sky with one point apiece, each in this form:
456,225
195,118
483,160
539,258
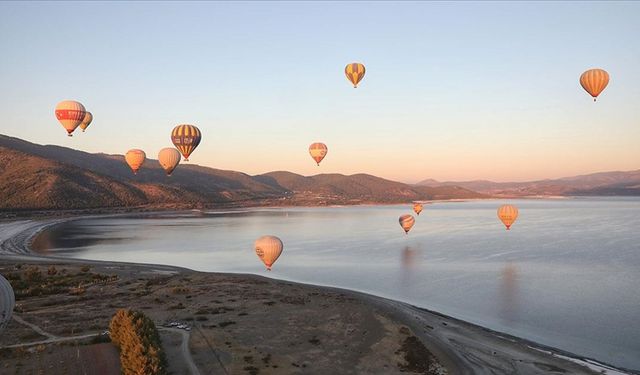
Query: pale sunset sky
453,90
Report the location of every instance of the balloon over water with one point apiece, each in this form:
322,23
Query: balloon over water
594,81
86,121
406,222
70,114
355,73
417,208
135,158
7,303
268,249
508,214
169,158
318,151
186,138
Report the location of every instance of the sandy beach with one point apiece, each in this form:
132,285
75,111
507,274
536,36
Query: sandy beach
250,324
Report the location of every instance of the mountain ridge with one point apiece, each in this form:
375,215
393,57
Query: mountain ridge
42,177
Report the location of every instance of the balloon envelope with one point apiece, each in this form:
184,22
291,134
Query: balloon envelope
406,222
508,214
268,249
86,121
318,151
355,73
594,81
7,302
417,208
186,138
70,114
135,158
169,158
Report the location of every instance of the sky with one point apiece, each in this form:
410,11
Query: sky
453,90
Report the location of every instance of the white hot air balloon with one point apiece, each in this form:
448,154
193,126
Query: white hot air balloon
7,303
268,249
169,158
70,114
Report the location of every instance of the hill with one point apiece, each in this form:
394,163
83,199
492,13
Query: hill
603,184
35,177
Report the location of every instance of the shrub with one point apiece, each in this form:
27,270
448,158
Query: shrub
85,269
33,274
51,271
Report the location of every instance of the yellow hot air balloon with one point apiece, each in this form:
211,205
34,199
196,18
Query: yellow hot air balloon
186,138
594,81
86,121
355,73
318,151
417,208
7,303
508,214
70,114
268,249
406,222
169,158
135,158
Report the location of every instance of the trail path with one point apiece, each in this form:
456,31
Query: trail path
186,353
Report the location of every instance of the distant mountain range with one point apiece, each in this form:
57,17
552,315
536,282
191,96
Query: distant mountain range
598,184
37,177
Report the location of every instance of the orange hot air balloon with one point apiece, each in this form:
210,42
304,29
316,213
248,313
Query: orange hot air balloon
318,151
508,215
186,138
417,208
594,81
86,121
355,73
70,114
169,158
406,222
268,249
135,158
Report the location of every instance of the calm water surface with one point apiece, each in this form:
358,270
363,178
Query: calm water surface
567,275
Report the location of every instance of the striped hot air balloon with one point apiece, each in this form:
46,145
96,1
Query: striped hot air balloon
70,114
355,73
86,121
318,151
186,138
406,222
7,303
508,214
417,208
135,158
169,158
268,249
594,81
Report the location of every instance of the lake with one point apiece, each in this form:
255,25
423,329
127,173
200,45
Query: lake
567,275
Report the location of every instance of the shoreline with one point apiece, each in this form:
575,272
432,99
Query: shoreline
461,347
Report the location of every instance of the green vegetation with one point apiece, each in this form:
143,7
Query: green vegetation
31,281
137,338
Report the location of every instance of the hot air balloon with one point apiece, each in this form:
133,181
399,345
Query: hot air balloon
508,214
7,303
406,222
594,81
355,73
268,249
169,158
70,114
318,151
186,138
135,158
417,208
86,121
